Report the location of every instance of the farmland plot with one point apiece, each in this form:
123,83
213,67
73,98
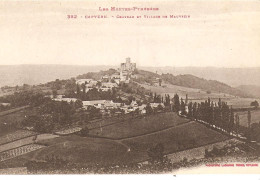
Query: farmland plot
139,126
82,150
198,153
19,134
69,131
19,151
183,137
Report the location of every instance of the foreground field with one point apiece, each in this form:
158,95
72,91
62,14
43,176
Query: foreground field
78,150
186,136
199,152
19,151
175,133
139,126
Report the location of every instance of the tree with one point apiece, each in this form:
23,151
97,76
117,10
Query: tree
160,107
99,84
182,107
78,90
156,153
131,98
160,82
148,109
57,84
54,93
84,131
167,100
83,86
255,104
237,123
78,104
136,111
176,103
231,121
249,119
93,111
190,110
93,94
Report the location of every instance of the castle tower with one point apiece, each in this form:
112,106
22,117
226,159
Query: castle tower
128,60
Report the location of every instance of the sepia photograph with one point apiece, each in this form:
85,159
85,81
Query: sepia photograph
129,87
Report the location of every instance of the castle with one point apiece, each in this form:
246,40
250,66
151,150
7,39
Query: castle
128,66
126,70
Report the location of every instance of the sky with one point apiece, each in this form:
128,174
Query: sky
218,33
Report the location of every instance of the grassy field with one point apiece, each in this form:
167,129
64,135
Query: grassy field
10,111
176,139
139,126
9,122
255,118
91,151
182,91
108,121
19,134
241,102
200,95
78,150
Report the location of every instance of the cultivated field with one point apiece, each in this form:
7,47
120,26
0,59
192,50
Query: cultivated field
199,95
19,151
68,131
183,137
9,121
3,113
198,153
19,134
182,91
79,150
241,102
139,134
107,121
139,126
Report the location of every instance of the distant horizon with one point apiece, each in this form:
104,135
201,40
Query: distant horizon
226,67
40,73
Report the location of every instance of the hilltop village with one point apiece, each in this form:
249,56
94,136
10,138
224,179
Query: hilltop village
111,83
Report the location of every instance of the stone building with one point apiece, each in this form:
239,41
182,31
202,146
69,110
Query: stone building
128,66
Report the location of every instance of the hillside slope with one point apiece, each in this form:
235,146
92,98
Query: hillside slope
191,81
250,89
231,76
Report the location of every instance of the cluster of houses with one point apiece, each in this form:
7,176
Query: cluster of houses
123,74
108,105
90,84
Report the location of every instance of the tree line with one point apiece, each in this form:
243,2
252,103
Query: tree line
214,114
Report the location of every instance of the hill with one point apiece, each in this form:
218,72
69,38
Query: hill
250,89
191,81
231,76
13,75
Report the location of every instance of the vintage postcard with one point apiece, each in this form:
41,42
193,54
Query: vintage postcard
129,87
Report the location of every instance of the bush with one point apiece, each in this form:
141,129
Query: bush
255,104
84,131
